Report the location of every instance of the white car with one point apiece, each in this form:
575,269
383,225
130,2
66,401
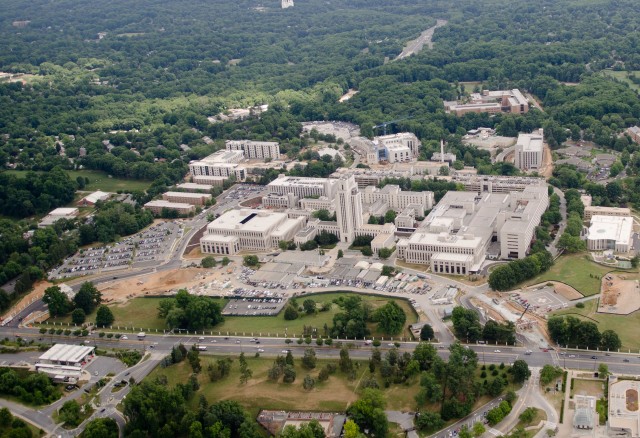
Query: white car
124,338
496,351
201,338
260,350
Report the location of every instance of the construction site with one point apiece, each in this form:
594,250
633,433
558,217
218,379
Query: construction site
619,294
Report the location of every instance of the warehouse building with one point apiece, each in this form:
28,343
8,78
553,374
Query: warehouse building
63,361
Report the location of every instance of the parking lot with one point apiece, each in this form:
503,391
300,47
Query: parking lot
139,250
253,302
541,300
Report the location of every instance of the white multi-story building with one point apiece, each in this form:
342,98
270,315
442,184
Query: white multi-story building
397,153
219,164
348,208
303,187
610,233
496,183
246,229
529,151
401,141
594,210
398,200
255,149
455,236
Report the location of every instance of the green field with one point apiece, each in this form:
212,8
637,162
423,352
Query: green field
622,77
142,313
626,326
576,270
99,181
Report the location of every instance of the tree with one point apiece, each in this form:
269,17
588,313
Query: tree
520,371
610,341
368,413
309,306
549,373
340,254
391,318
56,301
426,333
366,251
87,298
208,262
389,217
70,413
428,421
245,372
193,356
385,253
528,415
289,374
603,370
104,316
225,261
478,429
78,316
351,430
309,358
308,383
290,313
101,428
250,260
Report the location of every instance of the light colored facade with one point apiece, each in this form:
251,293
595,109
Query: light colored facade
187,197
624,416
397,199
634,133
444,157
284,4
496,184
216,181
276,200
348,208
58,214
255,230
63,361
455,236
492,102
303,187
94,197
255,149
321,203
157,206
594,210
219,164
610,233
397,153
401,141
529,151
195,187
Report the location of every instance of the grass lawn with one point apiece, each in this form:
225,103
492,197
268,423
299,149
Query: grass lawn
143,313
622,77
576,270
588,387
626,326
540,416
100,181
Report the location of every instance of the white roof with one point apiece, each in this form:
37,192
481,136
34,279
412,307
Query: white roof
617,228
162,203
247,220
188,195
96,196
195,186
64,212
377,266
362,265
529,142
67,353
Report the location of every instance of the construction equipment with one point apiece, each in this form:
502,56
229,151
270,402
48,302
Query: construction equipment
525,311
383,125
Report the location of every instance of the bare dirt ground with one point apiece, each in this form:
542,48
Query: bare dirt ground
157,283
546,169
252,203
619,294
489,312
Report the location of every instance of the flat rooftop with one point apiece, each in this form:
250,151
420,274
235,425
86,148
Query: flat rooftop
188,195
530,142
168,204
248,220
66,353
299,181
616,228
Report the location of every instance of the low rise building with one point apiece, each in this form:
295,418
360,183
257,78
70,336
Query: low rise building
444,157
63,361
58,214
187,197
594,210
401,142
505,101
195,187
634,133
90,200
624,415
610,233
216,181
157,206
247,229
496,183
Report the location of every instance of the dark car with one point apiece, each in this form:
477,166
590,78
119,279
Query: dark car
594,357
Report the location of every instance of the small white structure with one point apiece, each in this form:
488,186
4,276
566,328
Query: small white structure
284,4
56,215
63,361
610,232
94,197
